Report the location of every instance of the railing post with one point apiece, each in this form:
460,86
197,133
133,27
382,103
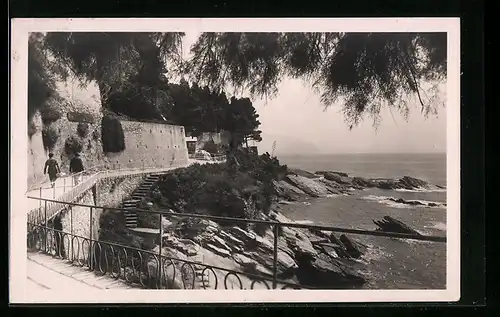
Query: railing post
64,185
71,228
91,242
54,191
275,255
46,230
40,196
159,252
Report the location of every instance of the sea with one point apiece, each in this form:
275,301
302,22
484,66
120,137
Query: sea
389,263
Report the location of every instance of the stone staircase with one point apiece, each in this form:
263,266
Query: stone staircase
137,195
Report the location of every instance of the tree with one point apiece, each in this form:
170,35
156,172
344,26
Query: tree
131,65
42,91
198,109
362,70
241,119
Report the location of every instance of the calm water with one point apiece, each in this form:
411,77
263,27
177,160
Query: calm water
391,263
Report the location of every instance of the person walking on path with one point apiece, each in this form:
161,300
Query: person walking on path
52,167
75,167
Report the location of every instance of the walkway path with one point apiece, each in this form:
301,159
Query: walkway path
62,185
45,272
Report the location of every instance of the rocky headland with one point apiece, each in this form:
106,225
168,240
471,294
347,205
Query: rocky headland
315,258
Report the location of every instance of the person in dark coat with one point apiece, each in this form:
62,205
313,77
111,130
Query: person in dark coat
60,251
52,167
75,167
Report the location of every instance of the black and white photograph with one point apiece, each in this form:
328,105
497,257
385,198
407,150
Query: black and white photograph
264,157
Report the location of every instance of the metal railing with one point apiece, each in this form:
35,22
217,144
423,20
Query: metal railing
213,157
90,178
157,270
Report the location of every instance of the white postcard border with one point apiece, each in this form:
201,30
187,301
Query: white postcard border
20,29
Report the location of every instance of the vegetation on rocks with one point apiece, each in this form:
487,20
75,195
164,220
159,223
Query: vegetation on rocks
49,137
75,116
73,145
113,138
82,129
242,191
49,114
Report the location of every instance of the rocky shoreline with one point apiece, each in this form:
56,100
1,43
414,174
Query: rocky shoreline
318,259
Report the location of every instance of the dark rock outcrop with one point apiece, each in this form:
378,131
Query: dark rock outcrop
341,174
306,256
406,182
352,248
389,224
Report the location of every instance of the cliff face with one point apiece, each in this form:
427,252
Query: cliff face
146,144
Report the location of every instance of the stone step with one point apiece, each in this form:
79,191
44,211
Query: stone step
130,207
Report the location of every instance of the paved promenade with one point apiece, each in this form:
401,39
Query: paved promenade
47,273
63,185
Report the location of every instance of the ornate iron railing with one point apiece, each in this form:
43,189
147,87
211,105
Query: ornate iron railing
141,267
159,271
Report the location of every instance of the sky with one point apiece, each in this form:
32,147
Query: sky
296,120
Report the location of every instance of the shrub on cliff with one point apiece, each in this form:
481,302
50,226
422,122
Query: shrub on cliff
74,116
113,138
241,191
262,167
49,115
73,145
82,129
49,137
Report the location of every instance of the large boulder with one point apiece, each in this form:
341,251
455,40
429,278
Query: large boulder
329,273
288,191
307,185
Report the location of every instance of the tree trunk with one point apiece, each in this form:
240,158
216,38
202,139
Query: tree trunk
104,93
